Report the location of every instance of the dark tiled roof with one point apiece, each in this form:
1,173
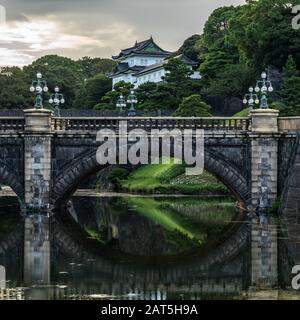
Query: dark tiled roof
150,68
141,48
182,57
124,67
121,67
186,60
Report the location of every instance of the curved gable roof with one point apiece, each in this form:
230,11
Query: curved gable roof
143,47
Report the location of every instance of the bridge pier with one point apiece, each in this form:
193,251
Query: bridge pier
264,172
37,167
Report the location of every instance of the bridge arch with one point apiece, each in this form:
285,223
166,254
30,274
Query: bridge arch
8,177
66,183
228,174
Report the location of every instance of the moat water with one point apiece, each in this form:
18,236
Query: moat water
106,246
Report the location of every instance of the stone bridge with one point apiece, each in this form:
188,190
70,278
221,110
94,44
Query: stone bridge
44,160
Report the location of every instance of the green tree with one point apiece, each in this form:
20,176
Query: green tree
82,80
92,91
14,89
155,97
146,90
193,106
177,72
161,98
93,66
178,83
290,91
290,68
146,94
216,37
263,34
192,48
233,81
241,41
109,100
58,71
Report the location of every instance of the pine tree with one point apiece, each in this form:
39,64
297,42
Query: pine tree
290,91
193,106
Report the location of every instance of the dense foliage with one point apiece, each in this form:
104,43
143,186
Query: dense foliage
242,41
290,91
192,48
83,82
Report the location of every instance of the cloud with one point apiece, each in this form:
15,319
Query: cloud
14,57
23,41
76,28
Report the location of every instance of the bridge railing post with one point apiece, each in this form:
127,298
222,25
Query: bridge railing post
264,172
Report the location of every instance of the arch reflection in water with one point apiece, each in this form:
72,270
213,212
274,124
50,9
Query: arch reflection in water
127,264
153,226
82,268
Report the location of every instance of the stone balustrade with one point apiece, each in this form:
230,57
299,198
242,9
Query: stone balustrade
12,123
286,124
95,124
235,124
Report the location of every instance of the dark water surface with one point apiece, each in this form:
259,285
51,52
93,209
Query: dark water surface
126,247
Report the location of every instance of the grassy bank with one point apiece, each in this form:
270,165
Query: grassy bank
171,178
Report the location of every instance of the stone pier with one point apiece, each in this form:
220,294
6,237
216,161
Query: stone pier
37,168
264,172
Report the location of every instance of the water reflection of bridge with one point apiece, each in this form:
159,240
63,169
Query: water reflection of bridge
86,273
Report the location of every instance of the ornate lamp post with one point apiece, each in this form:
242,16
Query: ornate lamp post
121,103
251,98
39,86
132,100
56,99
264,86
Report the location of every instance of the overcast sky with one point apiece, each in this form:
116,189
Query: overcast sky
96,28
